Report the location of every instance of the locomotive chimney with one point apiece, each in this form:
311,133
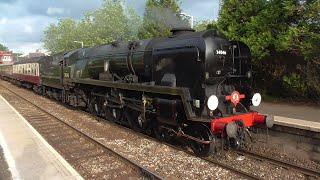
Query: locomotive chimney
179,31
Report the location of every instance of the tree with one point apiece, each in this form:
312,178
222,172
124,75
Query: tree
112,22
60,37
204,25
109,23
261,24
3,48
308,40
160,17
278,28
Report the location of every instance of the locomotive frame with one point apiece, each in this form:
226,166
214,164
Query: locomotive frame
142,85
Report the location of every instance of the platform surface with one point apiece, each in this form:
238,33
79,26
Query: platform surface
28,155
297,123
297,116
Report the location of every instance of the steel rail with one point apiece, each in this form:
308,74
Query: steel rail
287,165
144,170
225,166
284,164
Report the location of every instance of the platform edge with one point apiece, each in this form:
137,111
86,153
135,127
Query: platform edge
73,172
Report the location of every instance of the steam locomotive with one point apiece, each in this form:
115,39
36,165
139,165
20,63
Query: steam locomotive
194,86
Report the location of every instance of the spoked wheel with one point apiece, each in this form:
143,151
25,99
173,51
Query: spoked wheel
134,120
113,114
240,137
203,133
94,106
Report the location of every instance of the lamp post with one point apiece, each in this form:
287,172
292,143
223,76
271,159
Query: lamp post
79,42
189,17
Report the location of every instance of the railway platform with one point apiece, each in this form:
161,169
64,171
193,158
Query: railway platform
297,119
27,154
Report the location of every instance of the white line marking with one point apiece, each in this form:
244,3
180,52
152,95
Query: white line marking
8,157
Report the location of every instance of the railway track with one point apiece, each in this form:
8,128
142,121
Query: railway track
45,113
89,157
287,165
248,175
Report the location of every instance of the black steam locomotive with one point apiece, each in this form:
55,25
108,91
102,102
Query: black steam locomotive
191,85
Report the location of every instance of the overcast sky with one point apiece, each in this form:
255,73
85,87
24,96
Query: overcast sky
22,21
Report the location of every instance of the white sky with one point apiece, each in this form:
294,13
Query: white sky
22,22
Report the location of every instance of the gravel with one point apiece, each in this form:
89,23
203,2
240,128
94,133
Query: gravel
167,161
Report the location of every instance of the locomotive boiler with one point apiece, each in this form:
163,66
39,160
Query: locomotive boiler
194,86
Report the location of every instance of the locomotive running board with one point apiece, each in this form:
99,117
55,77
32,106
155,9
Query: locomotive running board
174,91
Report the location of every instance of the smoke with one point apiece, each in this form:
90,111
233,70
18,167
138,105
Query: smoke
168,18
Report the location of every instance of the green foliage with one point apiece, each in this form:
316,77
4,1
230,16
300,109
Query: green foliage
308,40
272,28
109,23
204,25
60,37
295,82
308,30
261,24
114,22
160,17
3,48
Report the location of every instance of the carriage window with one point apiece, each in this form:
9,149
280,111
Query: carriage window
37,68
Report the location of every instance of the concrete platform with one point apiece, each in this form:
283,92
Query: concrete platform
293,116
297,123
303,112
28,155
